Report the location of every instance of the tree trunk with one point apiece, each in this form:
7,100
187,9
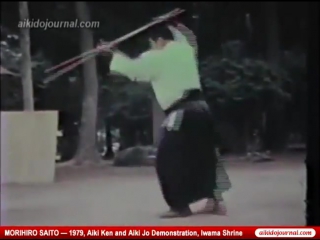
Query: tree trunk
26,68
87,150
277,133
272,26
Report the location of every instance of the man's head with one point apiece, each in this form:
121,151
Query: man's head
159,37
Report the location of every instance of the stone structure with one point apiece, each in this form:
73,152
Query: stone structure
28,146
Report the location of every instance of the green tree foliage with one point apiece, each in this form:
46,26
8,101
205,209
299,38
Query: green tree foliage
127,106
248,80
242,89
11,59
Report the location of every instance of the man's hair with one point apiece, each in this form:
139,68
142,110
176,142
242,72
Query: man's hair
160,31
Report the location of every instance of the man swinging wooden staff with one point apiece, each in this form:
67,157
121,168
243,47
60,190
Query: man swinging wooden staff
186,160
76,61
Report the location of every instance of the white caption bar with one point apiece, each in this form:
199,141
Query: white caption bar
285,232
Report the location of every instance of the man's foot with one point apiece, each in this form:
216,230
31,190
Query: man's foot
216,208
177,214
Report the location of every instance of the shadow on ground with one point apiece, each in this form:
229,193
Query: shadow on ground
270,193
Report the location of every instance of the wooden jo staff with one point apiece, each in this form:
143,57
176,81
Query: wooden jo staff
77,60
